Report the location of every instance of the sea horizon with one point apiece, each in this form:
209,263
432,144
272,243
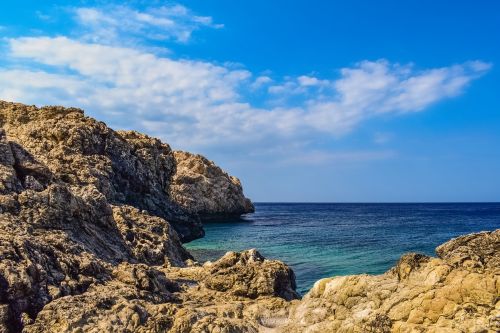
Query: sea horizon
320,240
249,166
376,202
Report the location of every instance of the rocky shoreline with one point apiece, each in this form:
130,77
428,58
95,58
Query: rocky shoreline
92,223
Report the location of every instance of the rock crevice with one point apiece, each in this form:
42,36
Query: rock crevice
62,145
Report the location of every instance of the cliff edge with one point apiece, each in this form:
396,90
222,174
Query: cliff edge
66,147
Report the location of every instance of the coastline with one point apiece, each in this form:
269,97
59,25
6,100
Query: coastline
93,222
335,239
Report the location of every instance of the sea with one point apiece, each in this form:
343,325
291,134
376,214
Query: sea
320,240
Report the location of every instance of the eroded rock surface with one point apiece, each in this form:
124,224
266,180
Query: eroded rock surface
458,292
91,224
56,144
243,292
199,186
82,207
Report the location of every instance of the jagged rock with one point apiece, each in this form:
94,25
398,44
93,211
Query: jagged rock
248,274
91,225
78,201
9,182
127,167
127,303
420,294
479,251
140,298
151,239
201,187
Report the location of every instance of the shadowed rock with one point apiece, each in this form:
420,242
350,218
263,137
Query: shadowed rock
127,167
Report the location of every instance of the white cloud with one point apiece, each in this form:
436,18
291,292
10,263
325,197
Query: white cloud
261,81
376,87
114,23
310,81
197,103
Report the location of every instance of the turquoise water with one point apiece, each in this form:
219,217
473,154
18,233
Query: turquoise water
322,240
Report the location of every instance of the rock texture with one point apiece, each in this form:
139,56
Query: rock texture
91,225
61,145
457,292
201,187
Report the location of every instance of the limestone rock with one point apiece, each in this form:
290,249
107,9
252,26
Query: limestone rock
83,214
201,187
151,239
248,274
479,251
56,144
420,294
58,238
124,304
91,224
63,240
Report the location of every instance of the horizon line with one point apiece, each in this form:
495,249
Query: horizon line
376,202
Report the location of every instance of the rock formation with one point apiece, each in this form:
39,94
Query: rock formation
61,145
200,187
92,222
457,292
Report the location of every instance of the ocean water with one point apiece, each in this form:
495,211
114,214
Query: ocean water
323,240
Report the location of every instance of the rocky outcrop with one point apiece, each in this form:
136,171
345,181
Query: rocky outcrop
243,292
458,292
140,298
58,240
199,186
250,276
91,224
77,201
61,145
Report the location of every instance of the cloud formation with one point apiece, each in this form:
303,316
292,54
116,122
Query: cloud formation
198,103
113,23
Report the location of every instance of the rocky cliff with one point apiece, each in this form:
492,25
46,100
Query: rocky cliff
92,222
201,187
55,145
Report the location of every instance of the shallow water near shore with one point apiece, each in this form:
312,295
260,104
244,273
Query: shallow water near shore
321,240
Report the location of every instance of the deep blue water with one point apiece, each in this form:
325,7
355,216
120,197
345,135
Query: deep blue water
322,240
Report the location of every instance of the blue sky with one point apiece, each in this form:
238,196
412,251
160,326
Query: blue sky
348,101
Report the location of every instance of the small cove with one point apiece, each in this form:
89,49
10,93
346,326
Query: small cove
321,240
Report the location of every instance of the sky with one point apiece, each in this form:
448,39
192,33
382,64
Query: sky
304,101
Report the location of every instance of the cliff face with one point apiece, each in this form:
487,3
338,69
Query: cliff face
91,223
200,187
65,147
85,207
